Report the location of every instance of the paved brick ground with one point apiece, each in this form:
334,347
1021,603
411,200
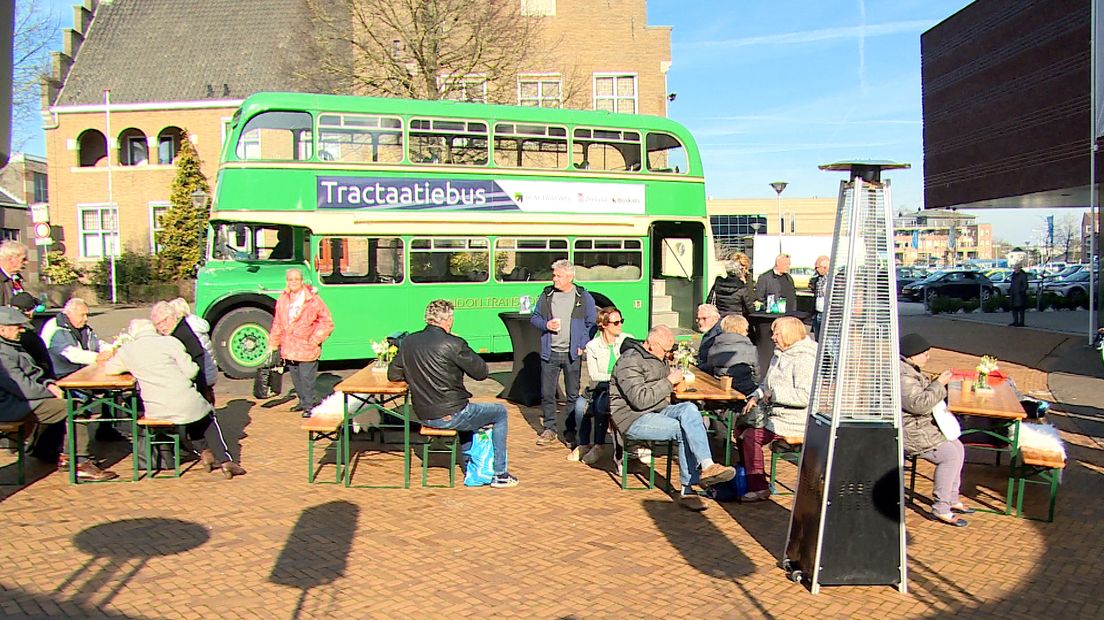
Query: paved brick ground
567,543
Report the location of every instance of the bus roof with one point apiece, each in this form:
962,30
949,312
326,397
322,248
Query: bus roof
261,102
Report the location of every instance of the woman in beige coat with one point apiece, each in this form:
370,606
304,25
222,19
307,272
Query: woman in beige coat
785,390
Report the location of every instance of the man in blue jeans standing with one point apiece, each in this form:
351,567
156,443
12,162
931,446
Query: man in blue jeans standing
566,315
640,397
433,363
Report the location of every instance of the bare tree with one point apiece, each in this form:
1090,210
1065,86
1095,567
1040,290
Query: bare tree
425,49
35,29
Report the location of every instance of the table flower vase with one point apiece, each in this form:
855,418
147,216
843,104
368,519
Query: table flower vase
380,365
981,384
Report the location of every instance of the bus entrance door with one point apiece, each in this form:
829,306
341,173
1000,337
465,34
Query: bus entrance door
678,273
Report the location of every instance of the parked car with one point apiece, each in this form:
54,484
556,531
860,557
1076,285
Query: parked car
908,275
801,277
1064,273
957,283
1074,287
1002,280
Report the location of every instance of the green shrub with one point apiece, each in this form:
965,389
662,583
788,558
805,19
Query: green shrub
971,305
997,303
60,270
948,305
132,270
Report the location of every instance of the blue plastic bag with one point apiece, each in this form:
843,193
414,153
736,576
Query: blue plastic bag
480,470
732,490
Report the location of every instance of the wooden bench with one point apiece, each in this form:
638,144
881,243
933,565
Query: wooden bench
621,457
787,449
1037,466
448,442
17,432
320,428
149,426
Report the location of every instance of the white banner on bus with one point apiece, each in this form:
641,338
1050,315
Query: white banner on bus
422,194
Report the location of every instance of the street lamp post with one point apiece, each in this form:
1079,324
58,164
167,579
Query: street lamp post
778,186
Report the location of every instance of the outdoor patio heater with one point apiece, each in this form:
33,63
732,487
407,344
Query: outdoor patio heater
847,526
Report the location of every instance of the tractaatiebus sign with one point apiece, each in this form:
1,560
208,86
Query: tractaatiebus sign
421,194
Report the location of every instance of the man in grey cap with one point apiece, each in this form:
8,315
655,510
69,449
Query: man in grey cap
25,390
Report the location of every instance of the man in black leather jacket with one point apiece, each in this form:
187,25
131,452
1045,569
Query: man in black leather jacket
433,363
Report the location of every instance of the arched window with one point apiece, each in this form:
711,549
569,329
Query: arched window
91,148
168,144
133,148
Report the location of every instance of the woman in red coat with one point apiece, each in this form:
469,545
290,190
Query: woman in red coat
302,323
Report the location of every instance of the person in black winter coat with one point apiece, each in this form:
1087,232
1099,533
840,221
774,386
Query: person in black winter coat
732,293
1017,295
733,355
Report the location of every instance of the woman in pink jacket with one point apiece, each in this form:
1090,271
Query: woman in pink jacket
302,323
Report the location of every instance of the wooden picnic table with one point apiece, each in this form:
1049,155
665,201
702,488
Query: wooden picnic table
708,388
89,389
1001,404
368,389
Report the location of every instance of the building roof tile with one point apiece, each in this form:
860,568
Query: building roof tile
185,50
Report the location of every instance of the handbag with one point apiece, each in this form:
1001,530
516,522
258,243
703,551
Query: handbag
480,469
946,421
756,417
269,379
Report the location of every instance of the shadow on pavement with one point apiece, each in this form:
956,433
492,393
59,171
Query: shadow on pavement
233,418
119,550
719,558
317,552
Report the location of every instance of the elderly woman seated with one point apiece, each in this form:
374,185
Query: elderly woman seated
785,393
165,374
733,355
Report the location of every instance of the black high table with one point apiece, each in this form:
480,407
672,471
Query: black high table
760,322
524,384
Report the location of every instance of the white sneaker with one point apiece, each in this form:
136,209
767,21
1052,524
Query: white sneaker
593,455
575,455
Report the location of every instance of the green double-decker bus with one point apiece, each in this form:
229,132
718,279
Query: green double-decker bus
387,204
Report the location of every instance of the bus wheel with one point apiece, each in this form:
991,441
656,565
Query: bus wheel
241,341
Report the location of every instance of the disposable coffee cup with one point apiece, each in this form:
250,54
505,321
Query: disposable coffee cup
726,383
525,304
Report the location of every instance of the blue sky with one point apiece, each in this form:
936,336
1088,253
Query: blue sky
773,88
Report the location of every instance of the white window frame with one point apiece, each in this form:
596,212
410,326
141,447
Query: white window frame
538,8
540,100
466,82
154,228
615,97
103,234
128,145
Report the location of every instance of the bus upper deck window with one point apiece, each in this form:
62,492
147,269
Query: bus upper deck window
360,138
666,154
530,146
452,141
611,150
282,136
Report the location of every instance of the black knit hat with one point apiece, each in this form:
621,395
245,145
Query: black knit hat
913,344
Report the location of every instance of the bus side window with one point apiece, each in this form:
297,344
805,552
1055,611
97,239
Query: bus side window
666,154
281,136
360,260
611,150
449,260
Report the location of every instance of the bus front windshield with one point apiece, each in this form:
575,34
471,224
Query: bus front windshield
253,242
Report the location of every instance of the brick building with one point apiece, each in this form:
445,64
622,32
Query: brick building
112,161
23,182
940,238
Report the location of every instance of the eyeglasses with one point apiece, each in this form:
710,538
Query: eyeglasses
615,322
